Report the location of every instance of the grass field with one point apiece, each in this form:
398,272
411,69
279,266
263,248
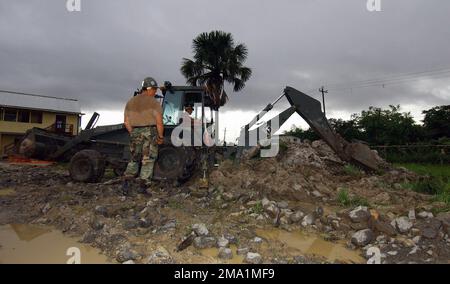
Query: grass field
437,183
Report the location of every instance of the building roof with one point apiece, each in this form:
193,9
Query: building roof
38,102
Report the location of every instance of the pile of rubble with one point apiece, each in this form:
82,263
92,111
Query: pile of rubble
305,188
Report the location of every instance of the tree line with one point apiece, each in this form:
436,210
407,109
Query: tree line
378,126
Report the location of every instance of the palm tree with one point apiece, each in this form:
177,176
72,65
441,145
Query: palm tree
216,60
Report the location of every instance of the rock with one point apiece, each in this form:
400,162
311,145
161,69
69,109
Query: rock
381,239
272,210
171,225
308,220
225,253
126,254
101,210
97,225
392,253
415,231
402,224
130,224
319,211
128,262
358,226
145,222
247,154
445,220
382,198
229,196
46,208
414,250
257,240
405,242
204,242
425,215
242,251
231,239
359,214
198,192
222,242
362,238
297,216
335,224
160,256
431,229
416,239
253,258
265,202
260,217
412,214
317,194
283,204
285,220
384,228
429,233
200,229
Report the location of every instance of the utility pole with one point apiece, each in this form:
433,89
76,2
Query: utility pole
225,137
323,98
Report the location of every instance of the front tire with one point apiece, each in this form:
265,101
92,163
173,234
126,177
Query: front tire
87,166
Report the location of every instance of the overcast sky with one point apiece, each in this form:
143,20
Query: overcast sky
101,54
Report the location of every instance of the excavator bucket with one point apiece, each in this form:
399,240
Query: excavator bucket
311,111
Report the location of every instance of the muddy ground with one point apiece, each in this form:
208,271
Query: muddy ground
304,206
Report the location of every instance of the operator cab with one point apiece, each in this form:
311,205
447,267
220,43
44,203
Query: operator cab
177,98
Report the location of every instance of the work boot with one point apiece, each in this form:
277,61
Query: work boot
144,187
125,188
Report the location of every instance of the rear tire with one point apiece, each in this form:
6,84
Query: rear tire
87,166
175,163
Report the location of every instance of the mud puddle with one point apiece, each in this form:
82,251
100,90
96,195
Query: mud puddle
311,245
7,192
34,244
214,252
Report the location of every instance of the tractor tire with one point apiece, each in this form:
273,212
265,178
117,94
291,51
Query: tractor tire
174,163
87,166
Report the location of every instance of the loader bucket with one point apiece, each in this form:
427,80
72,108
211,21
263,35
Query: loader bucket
311,111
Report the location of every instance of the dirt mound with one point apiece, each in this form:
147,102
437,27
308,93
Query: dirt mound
310,172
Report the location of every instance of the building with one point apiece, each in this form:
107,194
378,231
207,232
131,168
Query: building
20,112
290,139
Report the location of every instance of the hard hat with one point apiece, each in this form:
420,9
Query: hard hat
149,82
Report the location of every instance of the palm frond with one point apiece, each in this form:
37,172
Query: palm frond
216,60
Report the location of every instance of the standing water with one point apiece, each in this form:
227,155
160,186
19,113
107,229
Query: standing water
30,244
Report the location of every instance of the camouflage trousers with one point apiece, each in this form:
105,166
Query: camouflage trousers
144,151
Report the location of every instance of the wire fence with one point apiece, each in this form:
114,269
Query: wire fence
426,154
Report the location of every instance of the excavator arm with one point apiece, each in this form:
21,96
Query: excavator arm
310,110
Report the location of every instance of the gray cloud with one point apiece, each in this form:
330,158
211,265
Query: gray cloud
102,53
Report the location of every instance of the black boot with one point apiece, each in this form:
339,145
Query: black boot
143,188
125,188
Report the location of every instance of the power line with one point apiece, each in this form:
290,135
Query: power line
390,82
35,95
394,79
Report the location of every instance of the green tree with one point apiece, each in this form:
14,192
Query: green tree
216,60
348,129
309,134
437,122
388,126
